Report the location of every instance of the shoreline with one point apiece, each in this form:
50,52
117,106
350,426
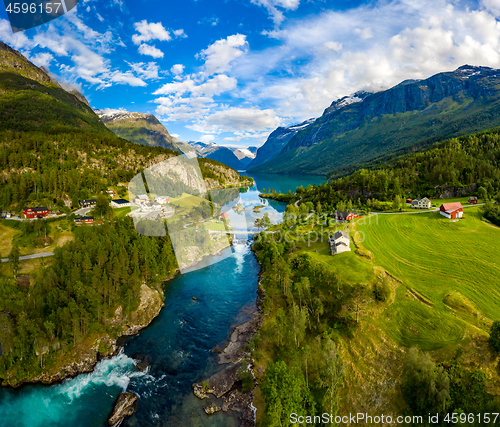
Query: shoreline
150,306
223,384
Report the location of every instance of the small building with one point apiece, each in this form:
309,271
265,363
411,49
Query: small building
452,210
110,193
120,203
418,203
224,216
84,220
5,214
408,201
473,200
344,216
87,203
339,243
163,200
40,212
142,198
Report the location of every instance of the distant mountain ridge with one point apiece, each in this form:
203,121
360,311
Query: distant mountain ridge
236,158
364,126
141,128
276,142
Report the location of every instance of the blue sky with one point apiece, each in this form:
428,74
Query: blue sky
232,71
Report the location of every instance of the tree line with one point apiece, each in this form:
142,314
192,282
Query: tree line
76,296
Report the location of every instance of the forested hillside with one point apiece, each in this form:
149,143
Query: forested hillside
77,296
459,166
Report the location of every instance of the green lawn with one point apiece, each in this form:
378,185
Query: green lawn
121,212
187,201
348,266
454,265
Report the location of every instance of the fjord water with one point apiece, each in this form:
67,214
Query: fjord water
177,346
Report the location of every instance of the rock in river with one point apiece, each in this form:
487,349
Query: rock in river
124,407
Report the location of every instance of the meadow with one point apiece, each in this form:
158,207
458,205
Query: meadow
448,273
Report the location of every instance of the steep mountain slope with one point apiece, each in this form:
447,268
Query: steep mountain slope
144,129
365,126
30,100
275,143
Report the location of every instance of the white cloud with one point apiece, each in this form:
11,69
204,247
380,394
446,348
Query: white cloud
42,59
150,31
331,45
207,138
145,49
180,33
365,33
177,69
273,5
238,120
220,54
213,86
148,71
127,78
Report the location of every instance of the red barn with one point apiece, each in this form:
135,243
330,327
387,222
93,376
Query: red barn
473,200
452,210
35,212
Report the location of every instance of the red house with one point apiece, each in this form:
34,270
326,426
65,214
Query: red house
473,200
84,220
224,216
452,210
35,212
344,216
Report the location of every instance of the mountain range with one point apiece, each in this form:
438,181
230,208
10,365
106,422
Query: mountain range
236,158
369,127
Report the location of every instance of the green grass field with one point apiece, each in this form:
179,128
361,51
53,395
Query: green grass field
121,212
454,265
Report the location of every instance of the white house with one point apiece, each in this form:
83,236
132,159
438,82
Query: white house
162,199
424,203
339,243
120,203
142,198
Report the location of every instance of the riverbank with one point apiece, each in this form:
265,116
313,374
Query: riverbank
84,357
232,388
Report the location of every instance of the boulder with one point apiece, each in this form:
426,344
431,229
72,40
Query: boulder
124,407
211,409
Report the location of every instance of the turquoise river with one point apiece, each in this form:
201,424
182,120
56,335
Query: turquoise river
177,344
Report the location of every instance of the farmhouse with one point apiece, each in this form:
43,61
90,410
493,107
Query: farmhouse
418,203
473,200
120,203
452,210
344,216
40,212
339,243
162,199
87,203
142,198
84,220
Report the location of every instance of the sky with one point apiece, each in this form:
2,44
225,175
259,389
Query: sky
232,71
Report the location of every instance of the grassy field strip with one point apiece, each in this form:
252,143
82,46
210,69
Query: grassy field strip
440,260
